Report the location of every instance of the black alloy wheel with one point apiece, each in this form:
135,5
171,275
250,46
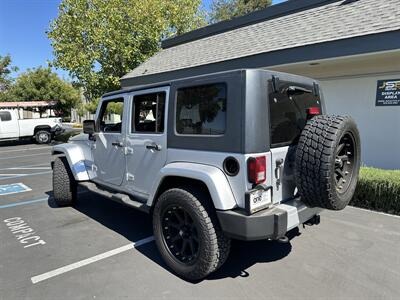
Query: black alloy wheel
344,162
180,234
187,233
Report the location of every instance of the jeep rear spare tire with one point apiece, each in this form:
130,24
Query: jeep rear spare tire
328,161
187,233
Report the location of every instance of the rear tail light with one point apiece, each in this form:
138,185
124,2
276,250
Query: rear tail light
313,111
256,168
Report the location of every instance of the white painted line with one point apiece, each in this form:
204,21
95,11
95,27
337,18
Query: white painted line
10,174
24,167
375,212
30,168
24,175
25,156
25,149
90,260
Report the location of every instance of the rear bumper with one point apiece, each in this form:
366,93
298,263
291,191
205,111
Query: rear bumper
271,223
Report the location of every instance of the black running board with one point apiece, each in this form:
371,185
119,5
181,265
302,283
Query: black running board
118,197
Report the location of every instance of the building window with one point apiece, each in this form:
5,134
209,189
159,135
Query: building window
5,116
201,110
149,113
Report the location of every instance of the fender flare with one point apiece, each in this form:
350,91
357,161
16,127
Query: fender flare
215,180
76,159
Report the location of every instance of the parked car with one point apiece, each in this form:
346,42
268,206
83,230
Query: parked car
41,129
244,154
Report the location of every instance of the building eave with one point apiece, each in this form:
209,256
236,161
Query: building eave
346,47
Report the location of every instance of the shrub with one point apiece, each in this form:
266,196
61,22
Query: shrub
379,190
77,125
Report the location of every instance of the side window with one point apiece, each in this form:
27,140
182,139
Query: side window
111,115
201,109
5,116
148,113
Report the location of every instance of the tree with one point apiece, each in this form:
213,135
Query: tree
222,10
99,41
5,80
43,84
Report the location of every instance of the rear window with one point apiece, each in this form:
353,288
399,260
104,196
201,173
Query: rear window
288,112
201,110
5,116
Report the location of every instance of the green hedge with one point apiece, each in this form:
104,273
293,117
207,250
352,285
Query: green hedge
378,190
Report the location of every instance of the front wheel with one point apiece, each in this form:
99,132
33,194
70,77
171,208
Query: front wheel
64,184
188,235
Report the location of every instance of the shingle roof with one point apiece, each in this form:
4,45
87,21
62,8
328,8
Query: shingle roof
325,23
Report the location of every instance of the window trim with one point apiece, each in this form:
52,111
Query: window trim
175,109
133,113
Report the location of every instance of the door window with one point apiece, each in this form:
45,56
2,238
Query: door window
201,110
111,115
149,113
5,116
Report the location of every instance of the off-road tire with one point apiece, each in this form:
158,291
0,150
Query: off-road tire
317,160
64,184
214,246
43,137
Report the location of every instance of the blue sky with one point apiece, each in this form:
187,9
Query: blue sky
22,31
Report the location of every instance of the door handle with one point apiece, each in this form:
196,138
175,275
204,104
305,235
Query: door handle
278,172
154,147
117,143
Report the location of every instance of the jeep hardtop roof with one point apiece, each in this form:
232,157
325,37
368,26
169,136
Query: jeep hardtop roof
268,73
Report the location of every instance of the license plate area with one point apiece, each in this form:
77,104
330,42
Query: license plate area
258,198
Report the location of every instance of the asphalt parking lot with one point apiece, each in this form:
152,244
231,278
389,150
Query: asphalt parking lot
101,249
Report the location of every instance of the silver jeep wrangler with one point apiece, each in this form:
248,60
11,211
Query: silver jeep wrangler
245,154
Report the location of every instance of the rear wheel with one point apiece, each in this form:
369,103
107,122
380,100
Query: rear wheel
328,161
188,235
64,184
43,137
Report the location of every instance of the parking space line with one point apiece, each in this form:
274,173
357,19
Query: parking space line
24,149
23,202
29,168
90,260
24,175
33,201
25,167
25,156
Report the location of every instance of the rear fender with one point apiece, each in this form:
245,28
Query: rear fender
215,180
79,159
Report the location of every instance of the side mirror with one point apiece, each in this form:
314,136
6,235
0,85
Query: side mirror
89,127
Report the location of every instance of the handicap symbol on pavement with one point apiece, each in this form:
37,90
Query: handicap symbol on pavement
13,188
